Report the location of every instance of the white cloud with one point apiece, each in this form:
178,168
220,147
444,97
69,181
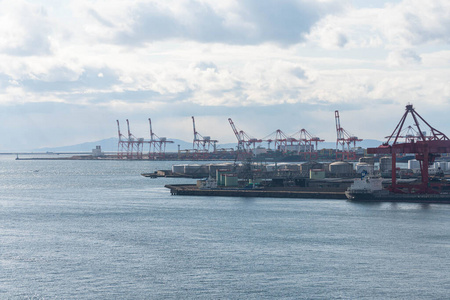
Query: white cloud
288,61
231,21
25,28
405,57
397,25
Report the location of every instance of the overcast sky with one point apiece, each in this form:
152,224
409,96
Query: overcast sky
70,68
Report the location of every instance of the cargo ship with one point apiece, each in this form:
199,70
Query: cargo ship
370,189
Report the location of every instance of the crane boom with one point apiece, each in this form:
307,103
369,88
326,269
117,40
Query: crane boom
118,130
195,131
151,130
236,132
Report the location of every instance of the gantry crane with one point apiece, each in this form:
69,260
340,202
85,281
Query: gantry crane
246,144
157,145
129,146
345,140
280,140
135,145
202,144
426,149
309,143
122,144
409,134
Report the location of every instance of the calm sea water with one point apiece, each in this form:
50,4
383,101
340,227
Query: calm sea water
93,229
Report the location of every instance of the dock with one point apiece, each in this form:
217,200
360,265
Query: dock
193,190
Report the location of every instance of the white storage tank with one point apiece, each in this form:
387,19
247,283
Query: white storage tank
361,167
413,164
307,166
441,164
192,169
178,169
386,164
288,166
368,160
270,168
341,167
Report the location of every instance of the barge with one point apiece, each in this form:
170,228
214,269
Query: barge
194,190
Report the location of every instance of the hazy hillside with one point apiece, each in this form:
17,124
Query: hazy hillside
110,145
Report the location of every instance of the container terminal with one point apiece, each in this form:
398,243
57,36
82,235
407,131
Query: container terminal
277,146
426,183
376,177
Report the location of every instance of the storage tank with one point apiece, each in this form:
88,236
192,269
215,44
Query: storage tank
270,168
341,167
316,174
306,167
368,160
361,167
192,169
178,169
288,166
441,164
413,164
386,164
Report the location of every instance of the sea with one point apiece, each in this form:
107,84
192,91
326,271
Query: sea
99,230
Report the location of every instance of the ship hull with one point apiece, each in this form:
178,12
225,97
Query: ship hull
391,197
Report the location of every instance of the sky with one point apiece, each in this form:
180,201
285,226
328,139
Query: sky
70,68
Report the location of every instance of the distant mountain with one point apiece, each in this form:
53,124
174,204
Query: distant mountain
107,145
110,145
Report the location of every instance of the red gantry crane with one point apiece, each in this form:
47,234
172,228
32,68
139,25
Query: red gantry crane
426,149
344,140
122,146
308,144
280,140
131,146
157,144
245,143
135,145
202,144
409,134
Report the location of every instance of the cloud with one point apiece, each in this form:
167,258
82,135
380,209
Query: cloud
405,57
246,22
65,79
282,64
405,24
426,21
24,29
